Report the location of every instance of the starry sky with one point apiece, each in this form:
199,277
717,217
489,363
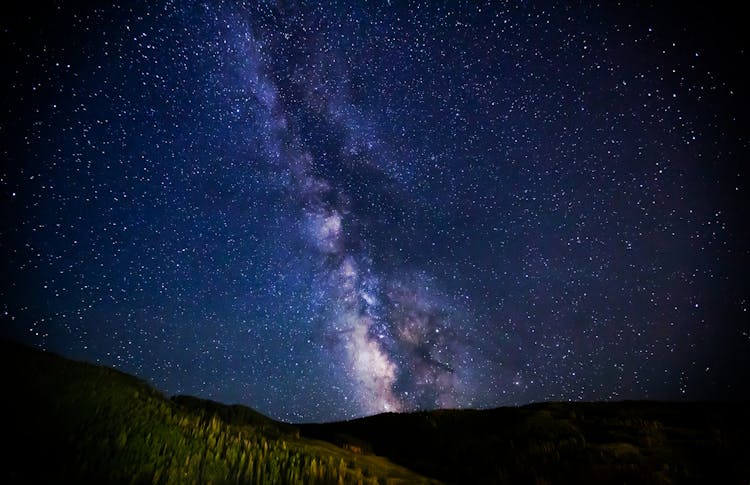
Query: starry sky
332,211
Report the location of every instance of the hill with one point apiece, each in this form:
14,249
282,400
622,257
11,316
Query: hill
614,442
72,422
75,422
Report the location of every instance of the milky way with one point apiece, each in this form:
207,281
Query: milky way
331,211
367,323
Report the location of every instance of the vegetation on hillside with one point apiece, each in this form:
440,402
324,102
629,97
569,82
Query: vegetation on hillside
618,442
70,422
79,423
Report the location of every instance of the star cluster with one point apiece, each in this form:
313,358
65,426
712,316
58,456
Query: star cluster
327,211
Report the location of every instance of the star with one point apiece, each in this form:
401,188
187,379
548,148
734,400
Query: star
330,211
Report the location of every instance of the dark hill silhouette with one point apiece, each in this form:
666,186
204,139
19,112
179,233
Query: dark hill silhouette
617,442
75,422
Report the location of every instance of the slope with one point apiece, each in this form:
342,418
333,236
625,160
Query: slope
73,422
613,442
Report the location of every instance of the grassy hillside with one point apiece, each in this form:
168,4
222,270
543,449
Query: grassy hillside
70,422
623,442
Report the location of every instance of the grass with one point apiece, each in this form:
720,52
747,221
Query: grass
71,422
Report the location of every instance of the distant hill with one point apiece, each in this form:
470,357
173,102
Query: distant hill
638,442
71,422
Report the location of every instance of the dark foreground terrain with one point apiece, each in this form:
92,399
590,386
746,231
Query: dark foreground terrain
623,442
71,422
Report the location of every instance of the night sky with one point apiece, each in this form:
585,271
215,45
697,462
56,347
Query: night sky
329,212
